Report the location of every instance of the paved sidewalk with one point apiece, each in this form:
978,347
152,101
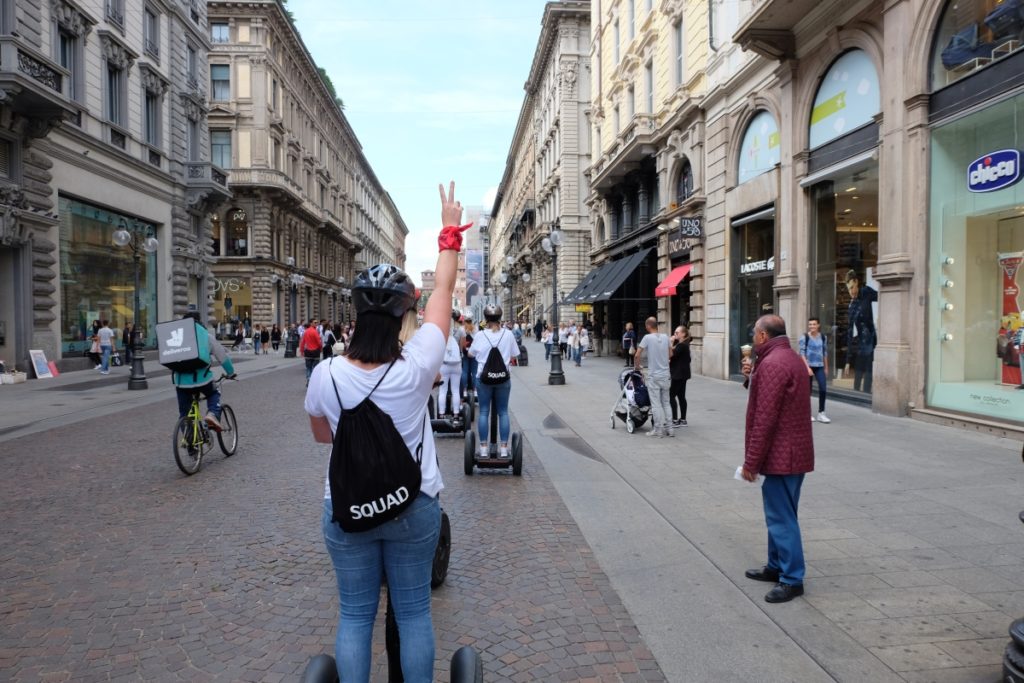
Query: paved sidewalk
38,405
911,536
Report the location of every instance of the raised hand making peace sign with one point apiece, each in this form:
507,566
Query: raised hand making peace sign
451,214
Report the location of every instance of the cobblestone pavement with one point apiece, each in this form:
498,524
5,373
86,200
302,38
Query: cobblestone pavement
114,566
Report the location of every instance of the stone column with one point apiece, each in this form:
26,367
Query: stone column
792,221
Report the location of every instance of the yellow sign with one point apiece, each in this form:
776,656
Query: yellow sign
584,308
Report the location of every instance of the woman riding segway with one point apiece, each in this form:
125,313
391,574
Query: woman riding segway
371,403
494,348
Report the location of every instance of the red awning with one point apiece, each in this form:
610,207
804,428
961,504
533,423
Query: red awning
668,285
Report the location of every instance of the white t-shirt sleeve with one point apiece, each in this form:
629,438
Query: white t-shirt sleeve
319,382
478,345
425,351
511,349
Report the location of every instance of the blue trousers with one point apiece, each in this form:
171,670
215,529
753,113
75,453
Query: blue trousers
781,494
493,397
403,550
208,390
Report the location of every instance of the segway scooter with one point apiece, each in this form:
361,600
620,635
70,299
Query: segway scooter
472,457
448,422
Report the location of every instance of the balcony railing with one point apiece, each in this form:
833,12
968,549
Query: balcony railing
204,176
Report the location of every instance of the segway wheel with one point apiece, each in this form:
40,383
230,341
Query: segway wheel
321,669
443,552
469,453
467,667
1017,632
517,454
430,407
612,420
630,425
467,417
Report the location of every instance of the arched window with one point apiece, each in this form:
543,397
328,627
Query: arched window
238,232
760,149
972,34
684,182
848,98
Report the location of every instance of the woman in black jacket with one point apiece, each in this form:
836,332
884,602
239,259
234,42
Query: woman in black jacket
679,371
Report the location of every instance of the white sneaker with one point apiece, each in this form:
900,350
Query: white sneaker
656,433
504,452
483,451
812,419
822,417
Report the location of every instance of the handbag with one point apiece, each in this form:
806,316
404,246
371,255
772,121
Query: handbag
338,348
95,348
115,359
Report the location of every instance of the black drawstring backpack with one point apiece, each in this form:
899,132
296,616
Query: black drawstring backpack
372,474
494,371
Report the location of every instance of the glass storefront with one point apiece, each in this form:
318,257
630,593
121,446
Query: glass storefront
754,275
844,246
97,278
232,303
972,34
976,263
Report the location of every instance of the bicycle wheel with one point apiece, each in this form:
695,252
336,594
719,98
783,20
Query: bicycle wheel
228,436
188,446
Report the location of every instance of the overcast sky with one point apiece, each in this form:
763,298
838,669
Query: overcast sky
432,90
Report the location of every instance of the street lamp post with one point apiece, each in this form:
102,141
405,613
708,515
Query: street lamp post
550,244
133,239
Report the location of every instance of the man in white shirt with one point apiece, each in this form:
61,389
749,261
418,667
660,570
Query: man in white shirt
659,379
106,336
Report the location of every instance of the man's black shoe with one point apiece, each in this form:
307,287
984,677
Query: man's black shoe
763,574
784,592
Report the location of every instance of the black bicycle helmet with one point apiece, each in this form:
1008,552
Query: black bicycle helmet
383,288
492,314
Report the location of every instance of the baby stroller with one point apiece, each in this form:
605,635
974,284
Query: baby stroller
634,405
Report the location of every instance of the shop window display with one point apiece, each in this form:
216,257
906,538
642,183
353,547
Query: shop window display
974,33
232,304
237,233
97,279
754,271
845,255
976,263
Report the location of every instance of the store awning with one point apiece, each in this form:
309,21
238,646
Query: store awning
581,289
669,284
617,273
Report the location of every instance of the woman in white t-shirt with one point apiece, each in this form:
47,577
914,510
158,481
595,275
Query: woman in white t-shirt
402,548
493,395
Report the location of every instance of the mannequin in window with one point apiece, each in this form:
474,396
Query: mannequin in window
861,337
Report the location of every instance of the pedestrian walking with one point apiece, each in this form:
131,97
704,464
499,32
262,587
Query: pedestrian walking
563,340
656,345
106,336
814,351
468,380
629,344
127,342
309,347
257,338
394,396
265,339
546,338
574,345
584,336
327,339
679,370
779,446
94,345
275,337
451,369
239,337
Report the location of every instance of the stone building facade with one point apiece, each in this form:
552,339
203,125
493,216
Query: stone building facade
898,212
129,152
308,211
543,186
647,189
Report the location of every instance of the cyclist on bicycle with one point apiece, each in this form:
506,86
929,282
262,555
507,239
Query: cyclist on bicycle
201,380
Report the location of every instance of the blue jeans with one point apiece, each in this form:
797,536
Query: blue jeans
819,374
105,360
256,344
498,395
208,390
403,550
468,380
577,355
781,494
311,362
547,351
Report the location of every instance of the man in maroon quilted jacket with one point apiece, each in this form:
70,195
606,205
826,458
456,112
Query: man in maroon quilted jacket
779,447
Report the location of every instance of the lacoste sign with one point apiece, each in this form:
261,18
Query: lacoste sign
994,171
757,266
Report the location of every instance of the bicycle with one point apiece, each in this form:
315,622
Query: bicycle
193,439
